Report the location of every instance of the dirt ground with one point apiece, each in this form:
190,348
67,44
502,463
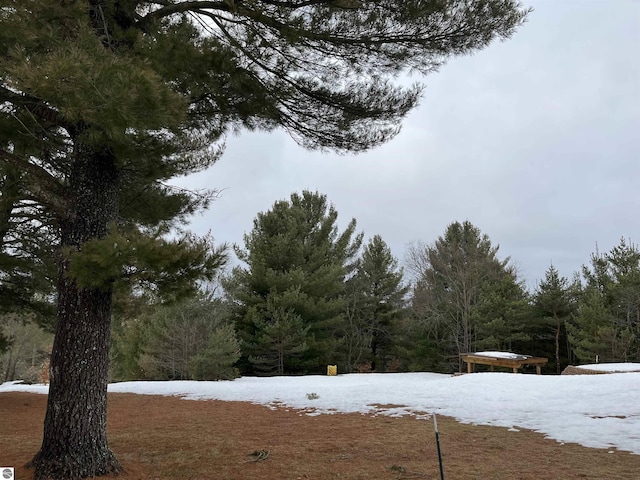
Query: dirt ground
169,438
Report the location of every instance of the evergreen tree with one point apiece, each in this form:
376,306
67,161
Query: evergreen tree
104,101
127,337
27,267
552,300
27,242
27,350
293,284
190,340
281,334
624,261
464,295
375,305
502,316
591,331
217,360
606,325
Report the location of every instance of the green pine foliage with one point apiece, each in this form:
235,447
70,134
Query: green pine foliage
281,339
502,317
591,331
465,298
606,325
375,305
289,296
553,304
217,359
27,242
127,338
167,268
189,340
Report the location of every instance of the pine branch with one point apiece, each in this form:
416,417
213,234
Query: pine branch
44,186
168,9
35,106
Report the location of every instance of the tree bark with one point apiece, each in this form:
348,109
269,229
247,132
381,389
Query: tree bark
74,443
374,351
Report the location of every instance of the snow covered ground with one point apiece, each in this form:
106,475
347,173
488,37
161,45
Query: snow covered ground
600,411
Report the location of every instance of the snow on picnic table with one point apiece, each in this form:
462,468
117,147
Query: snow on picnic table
599,411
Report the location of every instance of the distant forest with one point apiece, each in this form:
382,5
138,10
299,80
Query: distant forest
307,294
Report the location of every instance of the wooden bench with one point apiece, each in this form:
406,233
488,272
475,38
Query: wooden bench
514,362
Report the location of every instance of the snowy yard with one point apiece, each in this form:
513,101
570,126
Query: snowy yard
600,411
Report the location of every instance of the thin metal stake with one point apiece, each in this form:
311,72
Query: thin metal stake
435,424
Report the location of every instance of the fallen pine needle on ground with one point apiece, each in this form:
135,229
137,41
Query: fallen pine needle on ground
159,437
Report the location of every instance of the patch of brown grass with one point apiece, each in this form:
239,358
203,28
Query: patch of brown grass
169,438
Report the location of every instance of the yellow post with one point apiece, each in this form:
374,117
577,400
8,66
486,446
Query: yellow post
332,369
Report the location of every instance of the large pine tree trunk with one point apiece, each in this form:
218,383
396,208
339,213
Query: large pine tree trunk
75,439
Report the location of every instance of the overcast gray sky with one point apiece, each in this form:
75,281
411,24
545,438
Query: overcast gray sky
535,140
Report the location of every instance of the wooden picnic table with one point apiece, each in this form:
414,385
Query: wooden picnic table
514,362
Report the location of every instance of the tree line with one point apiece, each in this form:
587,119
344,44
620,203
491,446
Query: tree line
307,294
